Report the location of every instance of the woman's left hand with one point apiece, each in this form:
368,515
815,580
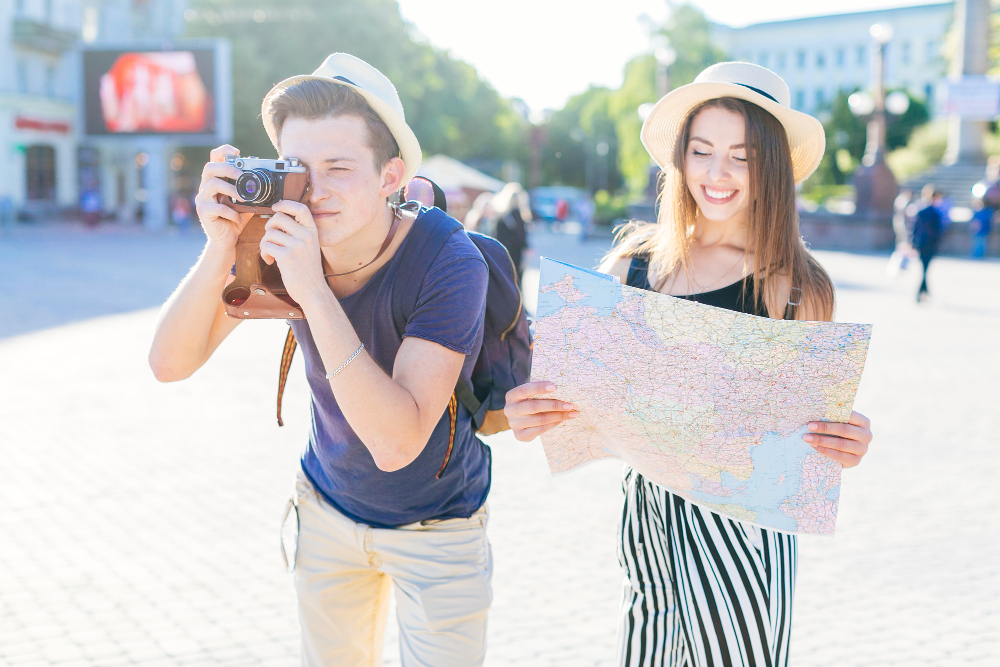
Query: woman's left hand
844,443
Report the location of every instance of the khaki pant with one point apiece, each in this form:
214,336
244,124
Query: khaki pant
441,571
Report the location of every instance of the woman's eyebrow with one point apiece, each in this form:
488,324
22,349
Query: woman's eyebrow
709,143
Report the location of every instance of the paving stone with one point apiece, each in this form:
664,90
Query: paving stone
136,516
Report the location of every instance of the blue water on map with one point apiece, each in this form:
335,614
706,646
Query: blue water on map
765,491
603,292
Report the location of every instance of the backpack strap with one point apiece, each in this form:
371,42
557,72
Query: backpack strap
286,363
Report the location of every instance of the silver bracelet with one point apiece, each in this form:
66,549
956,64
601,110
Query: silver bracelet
330,376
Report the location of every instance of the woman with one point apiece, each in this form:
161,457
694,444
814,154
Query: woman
701,589
510,206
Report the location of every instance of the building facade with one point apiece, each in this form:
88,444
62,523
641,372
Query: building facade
46,161
820,56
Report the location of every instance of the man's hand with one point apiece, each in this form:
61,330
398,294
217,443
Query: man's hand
221,223
291,240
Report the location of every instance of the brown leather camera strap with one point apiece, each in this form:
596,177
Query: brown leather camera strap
286,363
385,245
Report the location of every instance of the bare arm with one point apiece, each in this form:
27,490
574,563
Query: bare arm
393,416
193,320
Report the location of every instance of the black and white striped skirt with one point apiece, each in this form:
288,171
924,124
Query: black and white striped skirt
700,589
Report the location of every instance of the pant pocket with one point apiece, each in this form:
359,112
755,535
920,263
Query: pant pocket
288,534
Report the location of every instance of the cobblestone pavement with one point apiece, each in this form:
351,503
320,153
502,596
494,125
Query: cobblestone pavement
139,521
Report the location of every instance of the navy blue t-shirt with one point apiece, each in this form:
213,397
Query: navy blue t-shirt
450,310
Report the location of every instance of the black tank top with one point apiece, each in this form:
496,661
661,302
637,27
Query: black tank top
730,297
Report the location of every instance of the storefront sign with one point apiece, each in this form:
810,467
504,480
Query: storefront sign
37,124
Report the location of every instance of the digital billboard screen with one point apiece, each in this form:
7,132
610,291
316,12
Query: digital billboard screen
150,92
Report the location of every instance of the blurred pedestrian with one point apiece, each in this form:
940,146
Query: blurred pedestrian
928,228
510,206
562,211
481,217
585,215
980,227
901,224
90,206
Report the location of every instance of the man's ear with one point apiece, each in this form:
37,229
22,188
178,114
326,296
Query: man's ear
392,176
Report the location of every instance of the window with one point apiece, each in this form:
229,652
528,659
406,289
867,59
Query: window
40,172
862,51
841,57
905,55
781,60
50,80
764,59
820,60
800,58
932,51
929,94
820,99
22,76
800,99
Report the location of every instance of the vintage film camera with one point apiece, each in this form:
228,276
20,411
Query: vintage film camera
258,292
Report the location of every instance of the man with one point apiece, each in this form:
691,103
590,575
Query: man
393,481
928,226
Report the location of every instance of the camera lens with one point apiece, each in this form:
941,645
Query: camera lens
254,186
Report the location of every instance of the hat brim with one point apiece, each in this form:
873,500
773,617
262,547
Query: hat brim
409,147
662,127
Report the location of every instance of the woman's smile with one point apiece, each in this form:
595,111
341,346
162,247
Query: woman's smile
713,196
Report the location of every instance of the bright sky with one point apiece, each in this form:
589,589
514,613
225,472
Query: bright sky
546,51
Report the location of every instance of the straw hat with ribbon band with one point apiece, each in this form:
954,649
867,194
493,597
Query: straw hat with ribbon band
347,70
745,81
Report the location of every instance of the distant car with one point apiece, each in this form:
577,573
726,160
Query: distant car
544,200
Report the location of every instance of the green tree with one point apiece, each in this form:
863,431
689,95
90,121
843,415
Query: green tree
573,135
688,33
449,107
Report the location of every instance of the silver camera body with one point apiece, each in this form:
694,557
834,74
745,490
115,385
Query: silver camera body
265,181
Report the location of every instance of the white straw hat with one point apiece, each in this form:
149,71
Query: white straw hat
347,70
746,81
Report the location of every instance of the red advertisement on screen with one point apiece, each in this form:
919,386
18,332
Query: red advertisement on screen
155,92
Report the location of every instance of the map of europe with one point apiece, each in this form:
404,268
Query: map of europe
709,403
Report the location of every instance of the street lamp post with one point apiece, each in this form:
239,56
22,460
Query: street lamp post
874,184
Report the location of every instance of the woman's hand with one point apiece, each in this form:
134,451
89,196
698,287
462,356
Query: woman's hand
844,443
221,223
529,417
291,240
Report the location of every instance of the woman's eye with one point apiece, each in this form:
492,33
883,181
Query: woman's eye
740,159
699,153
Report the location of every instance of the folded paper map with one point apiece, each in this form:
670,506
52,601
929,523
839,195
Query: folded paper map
709,403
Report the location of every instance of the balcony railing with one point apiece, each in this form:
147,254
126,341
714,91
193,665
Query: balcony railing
42,36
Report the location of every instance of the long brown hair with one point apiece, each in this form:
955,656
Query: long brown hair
773,238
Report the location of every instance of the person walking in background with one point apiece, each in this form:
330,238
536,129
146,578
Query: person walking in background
585,215
927,230
980,227
510,206
701,589
481,217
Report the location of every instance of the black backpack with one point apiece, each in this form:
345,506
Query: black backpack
504,360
